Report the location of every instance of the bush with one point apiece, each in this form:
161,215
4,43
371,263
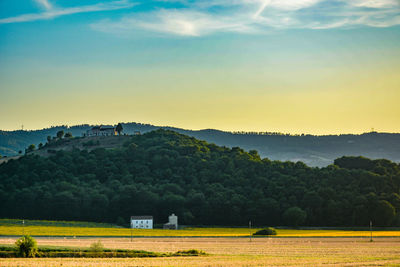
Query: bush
190,252
266,231
26,247
97,247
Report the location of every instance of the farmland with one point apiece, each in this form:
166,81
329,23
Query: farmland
231,252
12,227
224,246
61,231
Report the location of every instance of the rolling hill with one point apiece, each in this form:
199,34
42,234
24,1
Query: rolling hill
310,149
163,172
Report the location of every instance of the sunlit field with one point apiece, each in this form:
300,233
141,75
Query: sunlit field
224,246
231,252
6,230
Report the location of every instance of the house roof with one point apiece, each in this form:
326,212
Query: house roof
103,128
142,217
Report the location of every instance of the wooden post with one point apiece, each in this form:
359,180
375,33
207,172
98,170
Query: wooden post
23,227
370,229
131,230
250,229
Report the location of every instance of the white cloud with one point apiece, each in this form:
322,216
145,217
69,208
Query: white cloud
199,18
177,22
261,8
256,16
44,3
375,3
292,4
57,12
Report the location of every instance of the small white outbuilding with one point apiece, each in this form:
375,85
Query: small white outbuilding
172,222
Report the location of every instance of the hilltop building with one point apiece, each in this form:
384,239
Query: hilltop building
142,222
101,131
172,222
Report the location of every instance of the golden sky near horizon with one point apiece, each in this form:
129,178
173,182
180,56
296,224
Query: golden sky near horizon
330,103
317,67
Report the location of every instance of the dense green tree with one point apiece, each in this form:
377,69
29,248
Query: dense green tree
163,172
68,135
119,128
294,216
384,213
60,134
31,148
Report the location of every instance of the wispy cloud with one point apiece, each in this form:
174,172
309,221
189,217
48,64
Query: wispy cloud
53,12
45,4
198,18
375,3
178,22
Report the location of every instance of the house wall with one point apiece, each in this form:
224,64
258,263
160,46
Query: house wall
142,224
107,132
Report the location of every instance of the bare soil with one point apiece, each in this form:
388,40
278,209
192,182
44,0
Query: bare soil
232,252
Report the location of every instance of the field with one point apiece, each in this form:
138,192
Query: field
68,231
224,246
231,252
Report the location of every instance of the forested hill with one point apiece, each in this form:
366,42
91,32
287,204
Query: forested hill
310,149
162,172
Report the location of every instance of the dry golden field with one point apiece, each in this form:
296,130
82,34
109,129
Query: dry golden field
232,252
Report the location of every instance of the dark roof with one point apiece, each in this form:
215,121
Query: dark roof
141,217
103,128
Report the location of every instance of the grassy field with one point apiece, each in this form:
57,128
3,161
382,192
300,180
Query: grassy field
16,222
6,230
11,227
98,251
231,252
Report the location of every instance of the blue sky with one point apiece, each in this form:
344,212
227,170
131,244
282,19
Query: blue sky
291,65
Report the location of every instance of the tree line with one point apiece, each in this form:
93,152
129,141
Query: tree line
162,172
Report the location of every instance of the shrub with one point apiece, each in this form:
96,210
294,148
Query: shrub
26,247
190,252
97,247
266,231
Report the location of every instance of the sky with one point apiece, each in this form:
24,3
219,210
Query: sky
291,66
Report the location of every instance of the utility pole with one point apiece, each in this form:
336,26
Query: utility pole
250,229
131,229
370,229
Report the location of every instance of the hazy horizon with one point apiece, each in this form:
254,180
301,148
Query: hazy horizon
193,129
300,66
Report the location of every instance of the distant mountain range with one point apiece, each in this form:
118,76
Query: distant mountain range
310,149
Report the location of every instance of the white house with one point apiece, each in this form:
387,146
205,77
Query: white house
142,222
101,131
